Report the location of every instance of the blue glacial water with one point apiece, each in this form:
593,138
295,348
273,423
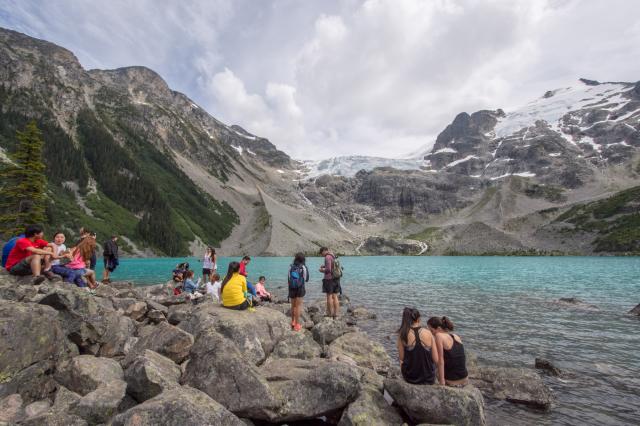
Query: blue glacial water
505,310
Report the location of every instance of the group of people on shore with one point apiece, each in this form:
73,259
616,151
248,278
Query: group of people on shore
29,254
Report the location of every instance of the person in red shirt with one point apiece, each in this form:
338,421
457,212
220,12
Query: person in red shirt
28,254
243,265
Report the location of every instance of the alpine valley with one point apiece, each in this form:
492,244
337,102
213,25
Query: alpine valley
126,154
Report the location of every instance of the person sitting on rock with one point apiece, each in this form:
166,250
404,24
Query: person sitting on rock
261,291
213,287
452,368
29,254
80,257
233,289
189,285
415,350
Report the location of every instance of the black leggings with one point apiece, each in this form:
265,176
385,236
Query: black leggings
241,307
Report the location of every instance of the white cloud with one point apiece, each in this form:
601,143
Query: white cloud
379,77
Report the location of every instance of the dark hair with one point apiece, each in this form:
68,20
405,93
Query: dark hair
213,251
299,259
58,233
246,258
262,277
190,274
443,323
409,316
32,230
323,249
215,276
234,267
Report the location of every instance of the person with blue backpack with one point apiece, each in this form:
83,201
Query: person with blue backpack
298,275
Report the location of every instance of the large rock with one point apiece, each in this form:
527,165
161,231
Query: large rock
517,385
55,419
36,408
11,409
370,409
150,374
90,322
298,345
217,368
32,340
254,333
86,373
165,339
310,388
183,406
328,330
546,365
130,307
179,313
438,404
364,351
635,311
102,404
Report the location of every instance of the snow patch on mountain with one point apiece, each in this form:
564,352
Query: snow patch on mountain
348,166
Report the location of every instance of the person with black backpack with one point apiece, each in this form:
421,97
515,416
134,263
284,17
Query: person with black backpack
332,270
298,275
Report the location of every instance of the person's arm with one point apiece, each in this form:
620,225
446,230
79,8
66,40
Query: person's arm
35,250
440,358
400,350
306,271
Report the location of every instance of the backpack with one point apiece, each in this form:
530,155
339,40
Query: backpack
6,249
296,276
337,269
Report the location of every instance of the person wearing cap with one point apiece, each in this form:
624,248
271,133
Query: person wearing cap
110,258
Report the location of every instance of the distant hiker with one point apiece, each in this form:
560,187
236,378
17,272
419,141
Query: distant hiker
415,350
297,277
261,291
331,281
213,287
452,361
28,254
234,289
110,257
208,264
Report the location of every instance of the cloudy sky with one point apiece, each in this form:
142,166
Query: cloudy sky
330,77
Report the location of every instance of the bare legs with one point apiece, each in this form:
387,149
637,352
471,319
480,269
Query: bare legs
296,311
35,260
333,305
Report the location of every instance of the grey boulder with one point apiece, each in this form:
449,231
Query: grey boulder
438,404
370,409
86,373
328,330
636,310
516,385
165,339
102,404
298,345
183,406
362,350
150,374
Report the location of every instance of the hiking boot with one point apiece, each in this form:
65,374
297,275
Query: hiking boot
38,280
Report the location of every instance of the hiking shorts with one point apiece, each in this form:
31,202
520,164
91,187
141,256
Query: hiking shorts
206,272
294,293
241,307
331,286
109,264
21,268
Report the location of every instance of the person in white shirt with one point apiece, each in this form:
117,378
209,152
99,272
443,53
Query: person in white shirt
213,287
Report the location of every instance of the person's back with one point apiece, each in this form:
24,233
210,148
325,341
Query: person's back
417,356
234,291
452,369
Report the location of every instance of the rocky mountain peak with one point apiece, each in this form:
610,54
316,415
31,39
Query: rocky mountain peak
134,79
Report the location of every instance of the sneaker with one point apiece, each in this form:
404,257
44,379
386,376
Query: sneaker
49,275
38,280
297,327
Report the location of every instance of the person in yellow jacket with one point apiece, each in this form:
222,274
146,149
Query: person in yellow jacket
234,289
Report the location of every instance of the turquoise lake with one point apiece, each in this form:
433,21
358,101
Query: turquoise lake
505,309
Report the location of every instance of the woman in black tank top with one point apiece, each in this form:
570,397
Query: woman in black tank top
452,368
416,351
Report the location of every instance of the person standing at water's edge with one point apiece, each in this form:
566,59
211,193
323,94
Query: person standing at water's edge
208,264
110,254
298,275
330,284
452,368
416,350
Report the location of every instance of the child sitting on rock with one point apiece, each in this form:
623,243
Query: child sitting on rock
213,287
261,291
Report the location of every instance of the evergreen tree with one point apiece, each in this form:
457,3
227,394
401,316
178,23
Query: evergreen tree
22,194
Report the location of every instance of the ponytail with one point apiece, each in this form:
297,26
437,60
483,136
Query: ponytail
443,323
409,316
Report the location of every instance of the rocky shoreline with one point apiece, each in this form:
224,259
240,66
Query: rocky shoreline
140,356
